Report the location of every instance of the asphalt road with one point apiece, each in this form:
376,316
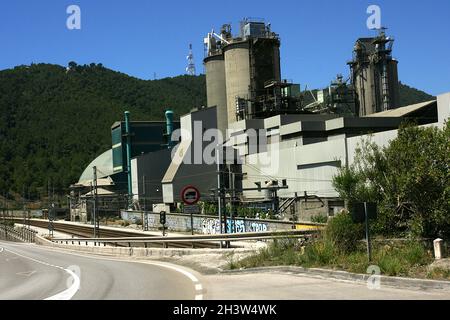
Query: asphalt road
33,273
28,271
279,286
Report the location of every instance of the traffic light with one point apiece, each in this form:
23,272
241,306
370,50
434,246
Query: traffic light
162,217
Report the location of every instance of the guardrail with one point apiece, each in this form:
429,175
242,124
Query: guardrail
20,234
196,241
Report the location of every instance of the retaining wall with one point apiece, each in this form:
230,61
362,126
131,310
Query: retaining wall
204,224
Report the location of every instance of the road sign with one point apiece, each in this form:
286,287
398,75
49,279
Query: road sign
190,195
191,209
359,211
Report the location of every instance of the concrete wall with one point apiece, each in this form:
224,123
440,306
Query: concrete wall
210,224
150,167
443,108
188,166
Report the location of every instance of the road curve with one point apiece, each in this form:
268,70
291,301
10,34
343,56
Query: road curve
30,272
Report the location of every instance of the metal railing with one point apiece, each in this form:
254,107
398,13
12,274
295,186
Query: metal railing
17,234
196,241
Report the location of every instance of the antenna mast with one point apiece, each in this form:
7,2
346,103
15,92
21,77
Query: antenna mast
190,69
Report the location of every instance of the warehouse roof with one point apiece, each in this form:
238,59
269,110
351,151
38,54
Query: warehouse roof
403,111
104,166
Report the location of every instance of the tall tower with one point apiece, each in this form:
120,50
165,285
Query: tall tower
374,74
190,69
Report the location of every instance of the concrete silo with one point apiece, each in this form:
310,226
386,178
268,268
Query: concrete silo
237,75
238,68
216,89
250,62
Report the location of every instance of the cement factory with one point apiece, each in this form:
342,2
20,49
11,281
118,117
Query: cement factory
286,168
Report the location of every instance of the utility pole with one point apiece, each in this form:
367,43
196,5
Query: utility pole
95,211
128,155
144,216
369,250
219,191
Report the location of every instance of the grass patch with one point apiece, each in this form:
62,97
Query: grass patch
409,259
8,223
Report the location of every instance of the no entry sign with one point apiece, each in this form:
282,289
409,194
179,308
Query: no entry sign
190,195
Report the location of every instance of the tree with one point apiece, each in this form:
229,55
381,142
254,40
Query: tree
409,179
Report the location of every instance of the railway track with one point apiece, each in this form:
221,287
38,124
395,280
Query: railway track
122,238
87,231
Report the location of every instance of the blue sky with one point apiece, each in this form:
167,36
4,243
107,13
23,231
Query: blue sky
144,37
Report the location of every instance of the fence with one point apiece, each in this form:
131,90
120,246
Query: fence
17,234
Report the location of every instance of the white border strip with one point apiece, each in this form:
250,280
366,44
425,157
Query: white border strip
198,286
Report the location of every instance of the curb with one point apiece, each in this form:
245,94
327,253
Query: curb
134,252
396,282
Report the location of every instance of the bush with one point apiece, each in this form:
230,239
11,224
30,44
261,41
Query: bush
343,234
318,253
401,260
8,223
319,219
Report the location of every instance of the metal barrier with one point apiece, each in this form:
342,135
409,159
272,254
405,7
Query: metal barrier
17,234
196,241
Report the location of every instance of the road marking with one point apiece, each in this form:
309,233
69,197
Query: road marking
121,259
70,292
1,249
26,273
186,273
198,286
64,295
13,258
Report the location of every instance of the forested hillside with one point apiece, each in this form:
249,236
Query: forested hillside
54,121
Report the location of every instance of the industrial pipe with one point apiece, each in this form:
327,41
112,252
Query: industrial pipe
128,150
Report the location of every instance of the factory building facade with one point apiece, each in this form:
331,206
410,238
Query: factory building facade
283,154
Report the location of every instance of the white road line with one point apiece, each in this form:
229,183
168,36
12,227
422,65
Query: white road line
198,286
1,249
70,292
186,273
86,255
64,295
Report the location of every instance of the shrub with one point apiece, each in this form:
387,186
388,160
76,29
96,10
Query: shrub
319,253
319,219
342,233
8,223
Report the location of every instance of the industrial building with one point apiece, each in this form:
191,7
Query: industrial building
111,172
289,164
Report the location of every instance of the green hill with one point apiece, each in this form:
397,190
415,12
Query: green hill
54,121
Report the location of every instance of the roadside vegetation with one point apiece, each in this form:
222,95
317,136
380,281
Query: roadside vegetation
339,247
410,181
8,223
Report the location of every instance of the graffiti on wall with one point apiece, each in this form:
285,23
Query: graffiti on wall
212,226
